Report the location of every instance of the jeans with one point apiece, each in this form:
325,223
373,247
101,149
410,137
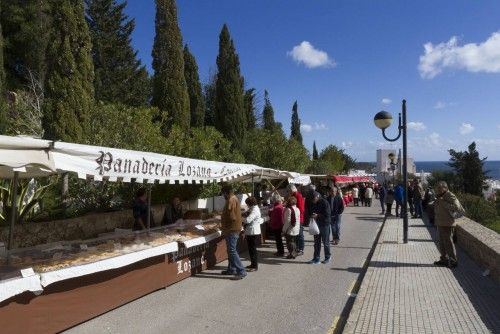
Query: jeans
323,236
389,209
399,206
252,249
382,204
279,241
234,264
417,203
335,224
300,239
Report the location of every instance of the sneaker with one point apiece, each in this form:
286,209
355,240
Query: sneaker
251,268
227,272
441,263
299,253
327,260
313,261
238,277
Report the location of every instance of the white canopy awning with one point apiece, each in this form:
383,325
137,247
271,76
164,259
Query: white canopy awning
35,158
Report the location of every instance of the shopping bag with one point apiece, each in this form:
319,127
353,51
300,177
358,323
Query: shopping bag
313,227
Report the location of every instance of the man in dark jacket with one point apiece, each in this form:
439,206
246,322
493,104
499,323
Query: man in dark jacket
321,212
337,208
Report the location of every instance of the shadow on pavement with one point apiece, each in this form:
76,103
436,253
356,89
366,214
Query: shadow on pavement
356,270
376,218
483,292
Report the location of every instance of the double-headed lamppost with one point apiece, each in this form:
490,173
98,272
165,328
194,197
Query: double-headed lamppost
383,120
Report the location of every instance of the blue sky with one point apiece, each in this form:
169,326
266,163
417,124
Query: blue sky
343,61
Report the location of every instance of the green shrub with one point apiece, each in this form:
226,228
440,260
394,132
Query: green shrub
477,208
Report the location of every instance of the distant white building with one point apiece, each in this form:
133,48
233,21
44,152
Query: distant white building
384,170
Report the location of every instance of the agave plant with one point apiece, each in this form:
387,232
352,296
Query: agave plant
30,193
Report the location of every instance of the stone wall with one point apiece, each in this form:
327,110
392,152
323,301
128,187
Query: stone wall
84,227
481,244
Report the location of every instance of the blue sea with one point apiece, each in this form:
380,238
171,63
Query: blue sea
492,167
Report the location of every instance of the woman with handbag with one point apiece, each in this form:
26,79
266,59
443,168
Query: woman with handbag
251,225
291,226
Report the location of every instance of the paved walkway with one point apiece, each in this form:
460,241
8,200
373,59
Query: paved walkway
403,292
284,296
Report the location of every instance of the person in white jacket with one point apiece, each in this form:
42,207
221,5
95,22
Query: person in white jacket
291,227
251,225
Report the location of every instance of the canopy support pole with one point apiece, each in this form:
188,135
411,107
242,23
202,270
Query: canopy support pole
14,210
253,187
149,208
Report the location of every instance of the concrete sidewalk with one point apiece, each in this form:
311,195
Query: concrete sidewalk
403,292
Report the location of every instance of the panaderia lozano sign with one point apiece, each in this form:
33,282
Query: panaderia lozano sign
108,163
30,157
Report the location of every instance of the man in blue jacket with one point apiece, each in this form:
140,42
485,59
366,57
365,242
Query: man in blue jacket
398,196
321,212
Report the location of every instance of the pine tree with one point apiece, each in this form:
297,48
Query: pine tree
209,97
68,90
250,108
268,113
170,93
119,75
26,27
315,151
230,116
295,133
196,102
469,168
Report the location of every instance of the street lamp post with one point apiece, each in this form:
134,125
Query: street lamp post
383,120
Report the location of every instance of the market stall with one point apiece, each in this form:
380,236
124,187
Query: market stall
70,282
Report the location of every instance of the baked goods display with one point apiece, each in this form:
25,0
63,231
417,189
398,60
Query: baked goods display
61,255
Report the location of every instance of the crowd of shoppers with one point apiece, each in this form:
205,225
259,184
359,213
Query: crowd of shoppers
289,215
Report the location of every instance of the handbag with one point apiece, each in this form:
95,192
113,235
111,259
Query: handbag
313,227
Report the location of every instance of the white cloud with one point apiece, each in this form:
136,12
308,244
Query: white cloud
320,126
435,138
306,54
385,100
417,126
483,57
316,127
306,128
466,128
440,105
348,144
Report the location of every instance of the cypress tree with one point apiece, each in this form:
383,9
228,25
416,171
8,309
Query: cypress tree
250,108
3,107
315,151
170,92
196,102
295,133
230,116
26,27
268,113
68,90
209,97
119,75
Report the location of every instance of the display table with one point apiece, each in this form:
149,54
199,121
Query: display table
74,282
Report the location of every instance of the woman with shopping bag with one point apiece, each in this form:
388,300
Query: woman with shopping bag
321,215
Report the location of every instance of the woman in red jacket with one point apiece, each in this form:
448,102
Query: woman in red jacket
276,223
